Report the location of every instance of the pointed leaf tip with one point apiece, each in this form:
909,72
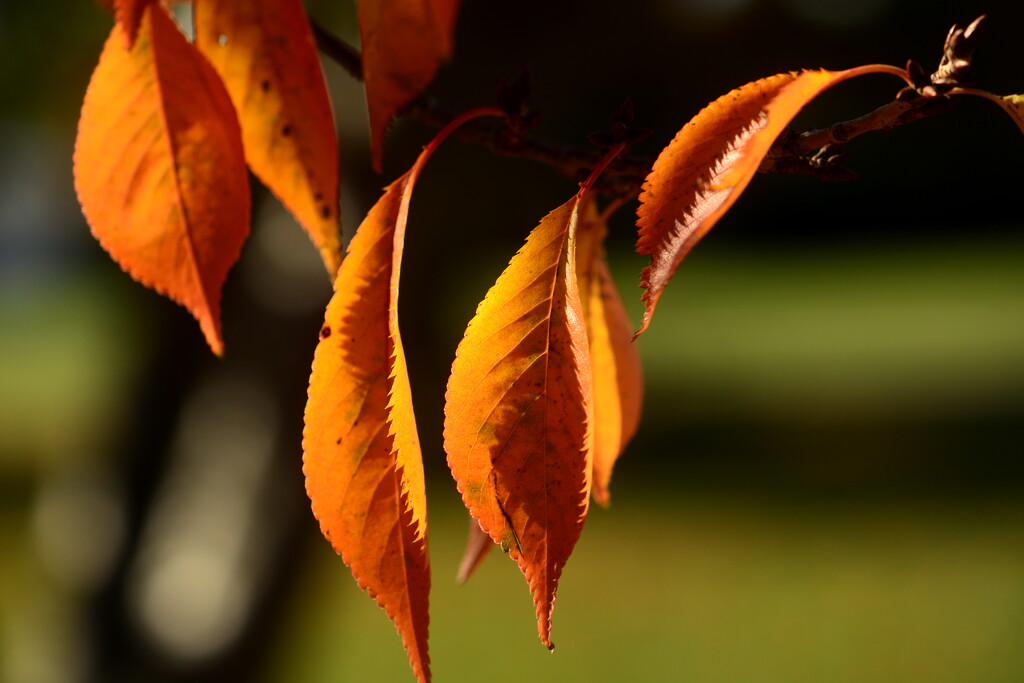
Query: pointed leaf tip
403,45
265,53
361,451
516,412
159,169
478,547
129,17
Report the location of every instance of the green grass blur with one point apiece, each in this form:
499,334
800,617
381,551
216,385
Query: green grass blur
662,588
810,543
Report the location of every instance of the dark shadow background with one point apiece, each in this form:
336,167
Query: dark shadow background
827,481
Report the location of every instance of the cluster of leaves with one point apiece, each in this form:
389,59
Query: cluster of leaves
545,390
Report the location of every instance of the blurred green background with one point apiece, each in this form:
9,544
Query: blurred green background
827,484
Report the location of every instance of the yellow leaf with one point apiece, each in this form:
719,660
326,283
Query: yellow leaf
265,53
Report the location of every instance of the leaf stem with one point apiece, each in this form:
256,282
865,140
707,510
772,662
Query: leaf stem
601,165
450,128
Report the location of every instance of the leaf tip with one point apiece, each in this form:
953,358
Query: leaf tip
211,330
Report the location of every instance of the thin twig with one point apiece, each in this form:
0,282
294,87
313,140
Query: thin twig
813,152
345,55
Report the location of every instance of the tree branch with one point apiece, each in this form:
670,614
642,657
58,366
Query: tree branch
814,152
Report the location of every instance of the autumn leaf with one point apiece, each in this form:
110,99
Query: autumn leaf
265,53
516,413
616,375
159,168
362,461
703,171
129,16
615,370
478,547
403,44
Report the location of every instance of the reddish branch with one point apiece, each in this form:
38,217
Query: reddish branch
814,152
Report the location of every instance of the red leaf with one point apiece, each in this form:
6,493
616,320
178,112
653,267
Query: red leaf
362,461
265,53
696,179
403,42
159,168
516,413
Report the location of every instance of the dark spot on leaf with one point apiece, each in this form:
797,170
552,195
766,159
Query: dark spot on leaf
286,130
265,85
325,332
319,196
325,211
338,442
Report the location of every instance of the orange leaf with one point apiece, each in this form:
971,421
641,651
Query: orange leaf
265,53
516,414
129,16
159,169
403,42
614,363
362,461
478,547
696,179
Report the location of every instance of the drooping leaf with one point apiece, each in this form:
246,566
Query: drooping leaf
614,362
516,413
129,16
159,168
265,54
403,44
696,179
478,547
1013,105
362,461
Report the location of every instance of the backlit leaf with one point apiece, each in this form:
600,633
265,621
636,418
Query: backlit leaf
478,547
403,43
265,53
614,362
129,16
159,168
696,179
516,413
362,462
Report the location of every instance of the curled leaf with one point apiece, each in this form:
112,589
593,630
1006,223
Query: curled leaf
159,168
617,377
1013,105
404,43
265,54
696,179
362,461
516,413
